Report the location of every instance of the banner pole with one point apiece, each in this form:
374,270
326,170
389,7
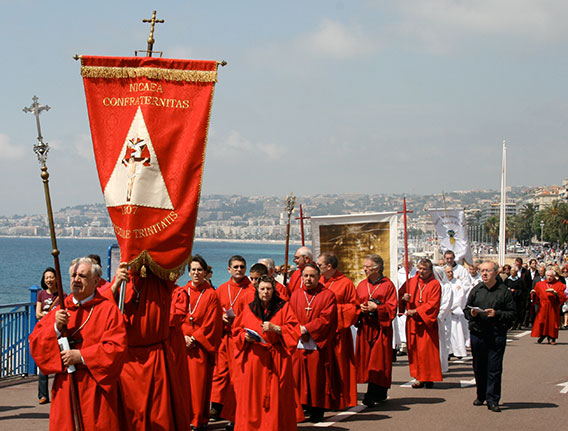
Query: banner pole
41,149
289,207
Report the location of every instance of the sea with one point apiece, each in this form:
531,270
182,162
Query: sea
23,260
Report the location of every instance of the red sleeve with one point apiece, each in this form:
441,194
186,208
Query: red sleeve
211,330
44,347
429,309
178,306
387,310
290,329
348,307
105,357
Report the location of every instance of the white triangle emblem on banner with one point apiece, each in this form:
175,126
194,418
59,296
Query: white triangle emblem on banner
136,178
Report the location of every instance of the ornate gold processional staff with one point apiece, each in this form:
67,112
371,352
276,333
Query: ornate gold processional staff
289,207
41,149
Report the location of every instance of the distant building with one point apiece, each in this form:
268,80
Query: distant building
544,196
494,208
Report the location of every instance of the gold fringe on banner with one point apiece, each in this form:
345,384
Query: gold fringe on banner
141,263
148,72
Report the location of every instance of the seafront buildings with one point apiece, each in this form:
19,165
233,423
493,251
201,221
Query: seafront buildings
263,218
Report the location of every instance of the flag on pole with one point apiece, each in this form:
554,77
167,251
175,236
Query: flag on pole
149,119
452,232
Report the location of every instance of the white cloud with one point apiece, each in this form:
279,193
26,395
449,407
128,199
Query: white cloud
9,152
236,142
273,151
237,146
440,25
82,145
337,40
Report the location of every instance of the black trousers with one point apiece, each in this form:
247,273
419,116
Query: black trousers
488,351
43,386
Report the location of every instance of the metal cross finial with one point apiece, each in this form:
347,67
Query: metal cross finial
40,148
290,203
153,22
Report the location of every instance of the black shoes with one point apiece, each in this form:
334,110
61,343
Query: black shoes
477,402
540,339
494,408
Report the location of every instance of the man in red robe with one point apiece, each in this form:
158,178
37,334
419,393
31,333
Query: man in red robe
154,381
98,345
302,257
421,299
373,358
315,367
347,314
234,296
551,296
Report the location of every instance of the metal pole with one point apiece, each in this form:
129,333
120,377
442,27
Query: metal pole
41,149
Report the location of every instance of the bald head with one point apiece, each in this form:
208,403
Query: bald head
302,257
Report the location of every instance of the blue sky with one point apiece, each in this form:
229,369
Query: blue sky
318,96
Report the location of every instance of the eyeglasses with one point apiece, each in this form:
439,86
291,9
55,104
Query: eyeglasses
369,267
239,266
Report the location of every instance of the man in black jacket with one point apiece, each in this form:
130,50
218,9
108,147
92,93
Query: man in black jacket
490,310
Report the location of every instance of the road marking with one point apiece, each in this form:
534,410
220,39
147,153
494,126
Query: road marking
407,384
340,416
467,383
522,334
564,390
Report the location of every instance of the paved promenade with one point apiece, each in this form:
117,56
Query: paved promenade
533,397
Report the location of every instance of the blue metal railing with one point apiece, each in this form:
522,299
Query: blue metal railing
16,323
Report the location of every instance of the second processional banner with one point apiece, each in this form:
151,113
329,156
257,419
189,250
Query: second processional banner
149,119
352,237
452,232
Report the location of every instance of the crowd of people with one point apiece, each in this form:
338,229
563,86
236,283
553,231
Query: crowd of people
265,355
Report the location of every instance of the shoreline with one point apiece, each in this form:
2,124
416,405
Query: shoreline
257,241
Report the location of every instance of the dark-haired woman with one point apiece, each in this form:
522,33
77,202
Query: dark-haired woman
202,329
47,299
266,333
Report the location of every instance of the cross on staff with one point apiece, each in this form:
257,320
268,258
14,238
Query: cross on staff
302,218
40,148
151,40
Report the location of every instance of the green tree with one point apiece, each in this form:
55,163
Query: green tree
555,219
491,227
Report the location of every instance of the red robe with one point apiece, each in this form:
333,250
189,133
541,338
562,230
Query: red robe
207,329
347,314
295,282
422,329
265,390
236,296
315,371
282,291
373,358
154,382
547,319
102,343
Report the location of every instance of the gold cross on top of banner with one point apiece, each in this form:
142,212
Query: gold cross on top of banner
151,40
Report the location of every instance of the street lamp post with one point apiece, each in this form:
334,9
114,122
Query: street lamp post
542,231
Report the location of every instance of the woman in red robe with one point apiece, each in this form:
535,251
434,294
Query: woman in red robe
265,335
202,329
550,296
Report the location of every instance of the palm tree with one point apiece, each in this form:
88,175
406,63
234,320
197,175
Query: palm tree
491,227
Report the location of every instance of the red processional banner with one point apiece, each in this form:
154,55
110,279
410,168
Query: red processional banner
149,119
